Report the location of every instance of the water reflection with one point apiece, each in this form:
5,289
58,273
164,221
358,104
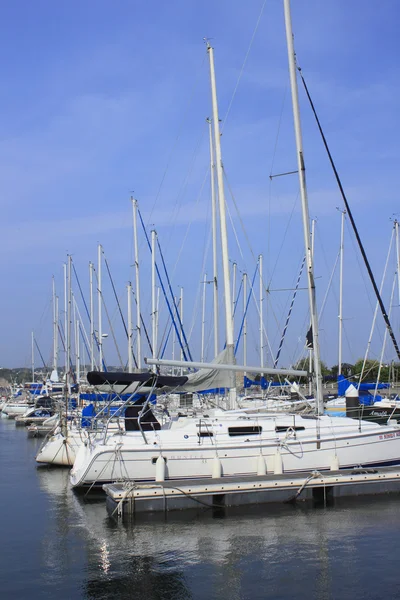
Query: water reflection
258,553
63,545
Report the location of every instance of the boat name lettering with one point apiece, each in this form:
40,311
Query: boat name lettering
184,457
387,436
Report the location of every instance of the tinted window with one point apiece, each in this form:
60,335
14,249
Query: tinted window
244,430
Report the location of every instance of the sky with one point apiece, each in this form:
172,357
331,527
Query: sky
103,100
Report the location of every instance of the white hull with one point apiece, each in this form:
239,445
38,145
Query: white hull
129,457
61,450
13,408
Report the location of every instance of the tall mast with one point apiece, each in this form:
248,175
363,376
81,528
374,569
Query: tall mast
245,320
73,319
181,318
260,262
203,316
99,306
57,317
91,317
65,314
55,329
174,340
68,331
214,241
157,311
130,328
343,213
396,226
234,276
153,294
223,228
78,354
137,282
77,345
33,356
304,205
310,351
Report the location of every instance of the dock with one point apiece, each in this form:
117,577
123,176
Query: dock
131,498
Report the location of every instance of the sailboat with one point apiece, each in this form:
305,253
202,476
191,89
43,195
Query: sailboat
372,406
237,443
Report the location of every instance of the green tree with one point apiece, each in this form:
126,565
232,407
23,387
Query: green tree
347,370
303,365
371,370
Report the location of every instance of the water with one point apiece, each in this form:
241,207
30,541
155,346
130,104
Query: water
56,544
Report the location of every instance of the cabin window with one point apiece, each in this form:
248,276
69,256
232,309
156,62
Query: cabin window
205,434
280,428
244,430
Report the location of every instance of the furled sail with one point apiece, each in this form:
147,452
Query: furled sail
206,379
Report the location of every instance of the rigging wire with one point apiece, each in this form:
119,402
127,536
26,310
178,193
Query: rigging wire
289,313
167,333
119,308
179,199
376,308
243,65
330,284
321,311
80,289
42,320
111,329
175,143
206,246
191,221
240,218
269,277
283,242
40,354
165,295
144,326
173,299
277,135
266,288
246,309
263,327
192,95
82,331
284,305
360,245
109,323
84,335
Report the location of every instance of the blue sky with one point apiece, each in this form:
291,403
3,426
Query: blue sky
99,98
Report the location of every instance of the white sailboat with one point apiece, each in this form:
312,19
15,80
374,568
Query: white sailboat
235,443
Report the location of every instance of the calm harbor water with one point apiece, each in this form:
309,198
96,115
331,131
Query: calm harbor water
57,544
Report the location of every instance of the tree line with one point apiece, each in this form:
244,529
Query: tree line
387,372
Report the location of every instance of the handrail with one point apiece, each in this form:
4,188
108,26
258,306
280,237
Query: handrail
142,412
119,409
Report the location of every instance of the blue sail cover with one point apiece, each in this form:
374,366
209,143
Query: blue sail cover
89,411
103,397
344,383
213,391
